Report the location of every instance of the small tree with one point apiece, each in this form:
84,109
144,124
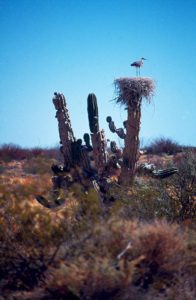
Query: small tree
130,92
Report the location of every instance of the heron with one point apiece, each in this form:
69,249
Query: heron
138,64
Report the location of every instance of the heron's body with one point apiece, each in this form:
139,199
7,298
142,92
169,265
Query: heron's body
138,64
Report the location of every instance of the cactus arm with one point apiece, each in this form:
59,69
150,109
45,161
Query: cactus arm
164,173
87,140
93,113
120,131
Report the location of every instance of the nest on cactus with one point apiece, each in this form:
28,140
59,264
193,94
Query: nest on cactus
130,90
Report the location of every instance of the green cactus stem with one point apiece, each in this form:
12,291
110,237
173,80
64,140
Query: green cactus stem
119,131
97,136
93,113
86,138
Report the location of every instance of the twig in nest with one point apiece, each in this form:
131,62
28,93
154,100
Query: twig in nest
121,254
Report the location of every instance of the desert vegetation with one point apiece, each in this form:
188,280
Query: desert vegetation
10,152
91,222
142,246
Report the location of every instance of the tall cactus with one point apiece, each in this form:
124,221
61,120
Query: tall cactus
130,92
93,113
97,136
65,129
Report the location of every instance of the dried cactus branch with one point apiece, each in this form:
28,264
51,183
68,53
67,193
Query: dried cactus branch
64,124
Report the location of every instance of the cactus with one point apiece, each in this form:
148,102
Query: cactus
86,138
111,124
113,147
164,173
97,136
93,113
119,131
131,92
76,148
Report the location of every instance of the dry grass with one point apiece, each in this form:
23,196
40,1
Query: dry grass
131,90
74,253
92,269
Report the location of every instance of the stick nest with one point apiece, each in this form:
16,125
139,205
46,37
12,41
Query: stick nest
130,91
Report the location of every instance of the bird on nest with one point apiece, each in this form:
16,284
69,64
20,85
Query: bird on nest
138,64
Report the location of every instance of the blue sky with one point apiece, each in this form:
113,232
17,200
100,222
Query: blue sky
78,47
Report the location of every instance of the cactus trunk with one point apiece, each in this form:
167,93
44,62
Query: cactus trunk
97,136
130,152
130,92
99,153
65,129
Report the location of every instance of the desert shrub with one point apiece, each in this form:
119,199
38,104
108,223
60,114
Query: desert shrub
10,152
85,257
143,201
163,145
29,238
2,169
50,153
90,250
38,165
89,209
101,266
53,153
179,191
172,198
